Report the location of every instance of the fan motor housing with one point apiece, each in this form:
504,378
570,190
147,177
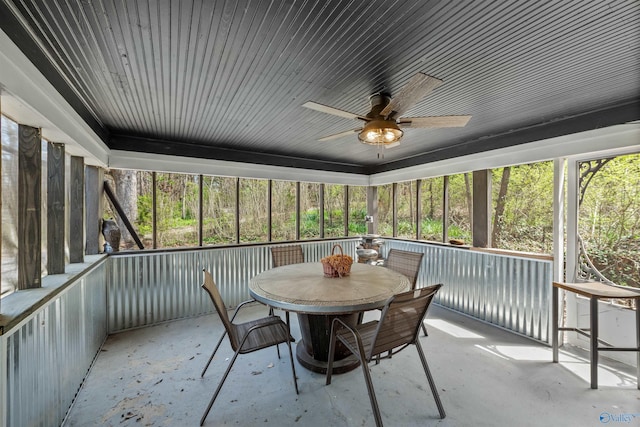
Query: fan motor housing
378,102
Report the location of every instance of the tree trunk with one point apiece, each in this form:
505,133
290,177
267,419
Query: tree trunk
126,186
502,195
467,186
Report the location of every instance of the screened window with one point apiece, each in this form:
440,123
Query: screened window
609,216
460,207
219,210
9,205
334,210
406,209
432,197
385,210
254,223
357,210
283,210
522,218
176,210
309,210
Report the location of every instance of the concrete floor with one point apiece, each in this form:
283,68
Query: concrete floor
486,377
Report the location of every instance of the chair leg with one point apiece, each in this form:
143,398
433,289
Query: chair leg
372,394
213,354
271,313
365,370
215,395
293,368
432,384
424,329
332,349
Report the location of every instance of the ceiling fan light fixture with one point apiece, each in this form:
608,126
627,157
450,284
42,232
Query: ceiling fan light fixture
380,132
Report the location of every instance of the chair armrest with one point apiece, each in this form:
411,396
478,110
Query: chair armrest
344,325
242,304
354,332
359,351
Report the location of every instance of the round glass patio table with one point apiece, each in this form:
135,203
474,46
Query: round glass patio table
317,300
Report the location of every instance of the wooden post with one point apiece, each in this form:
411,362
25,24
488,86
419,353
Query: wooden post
55,208
321,210
481,230
200,211
346,210
237,210
93,213
297,210
29,207
394,207
445,208
154,210
270,209
372,209
418,209
76,210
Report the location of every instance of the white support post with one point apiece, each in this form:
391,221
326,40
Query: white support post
558,219
572,220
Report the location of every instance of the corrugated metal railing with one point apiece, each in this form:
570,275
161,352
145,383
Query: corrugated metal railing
147,288
47,356
508,291
140,289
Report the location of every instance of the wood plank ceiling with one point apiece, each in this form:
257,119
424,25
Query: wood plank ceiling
226,79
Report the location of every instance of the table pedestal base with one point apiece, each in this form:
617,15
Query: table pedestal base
339,366
313,350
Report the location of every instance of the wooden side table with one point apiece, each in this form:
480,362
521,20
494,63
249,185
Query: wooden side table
594,291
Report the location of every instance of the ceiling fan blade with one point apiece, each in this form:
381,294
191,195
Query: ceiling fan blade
434,122
331,110
417,88
340,135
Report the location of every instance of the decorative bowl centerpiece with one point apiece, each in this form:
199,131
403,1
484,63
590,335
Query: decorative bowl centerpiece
336,265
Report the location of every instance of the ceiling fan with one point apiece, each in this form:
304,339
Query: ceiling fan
383,124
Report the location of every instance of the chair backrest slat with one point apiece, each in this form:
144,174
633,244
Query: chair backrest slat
285,255
405,262
209,285
401,319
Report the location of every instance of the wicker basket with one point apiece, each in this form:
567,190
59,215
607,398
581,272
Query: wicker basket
329,271
342,262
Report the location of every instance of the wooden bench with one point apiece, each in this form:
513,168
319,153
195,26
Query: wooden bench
594,291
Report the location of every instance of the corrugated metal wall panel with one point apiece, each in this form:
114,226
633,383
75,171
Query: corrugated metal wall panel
50,352
134,290
149,288
511,292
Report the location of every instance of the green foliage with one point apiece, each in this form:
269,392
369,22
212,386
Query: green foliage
456,232
431,229
144,214
609,220
310,223
609,214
